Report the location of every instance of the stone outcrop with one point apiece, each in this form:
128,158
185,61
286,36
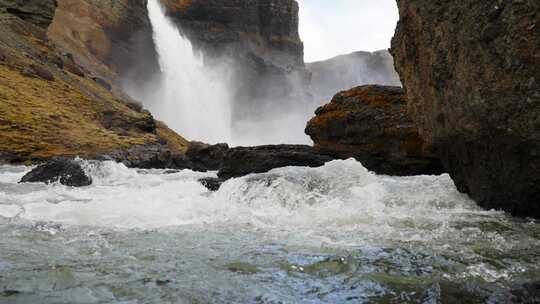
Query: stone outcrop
346,71
471,70
258,39
371,124
52,106
242,161
67,172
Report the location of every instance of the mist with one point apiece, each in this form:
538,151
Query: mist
207,98
331,28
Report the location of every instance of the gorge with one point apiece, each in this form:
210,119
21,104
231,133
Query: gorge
173,151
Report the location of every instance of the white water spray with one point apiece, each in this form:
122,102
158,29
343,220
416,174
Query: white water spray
191,98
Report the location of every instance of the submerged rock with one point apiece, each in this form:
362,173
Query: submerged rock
242,161
212,183
371,124
66,171
471,70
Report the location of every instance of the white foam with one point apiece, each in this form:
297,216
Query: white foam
332,201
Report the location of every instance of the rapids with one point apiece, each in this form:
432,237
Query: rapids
335,234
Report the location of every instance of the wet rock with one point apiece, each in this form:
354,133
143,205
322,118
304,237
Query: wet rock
205,157
467,68
212,183
242,161
528,293
66,171
371,124
149,156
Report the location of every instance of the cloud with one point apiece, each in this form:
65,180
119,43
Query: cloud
330,28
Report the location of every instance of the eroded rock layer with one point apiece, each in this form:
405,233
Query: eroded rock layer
371,124
52,106
472,74
111,38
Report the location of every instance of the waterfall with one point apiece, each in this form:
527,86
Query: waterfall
190,97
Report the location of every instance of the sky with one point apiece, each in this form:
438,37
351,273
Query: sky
334,27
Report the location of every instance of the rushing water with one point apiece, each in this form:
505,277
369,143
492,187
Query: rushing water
192,98
335,234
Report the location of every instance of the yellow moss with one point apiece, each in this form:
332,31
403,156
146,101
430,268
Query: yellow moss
40,118
174,141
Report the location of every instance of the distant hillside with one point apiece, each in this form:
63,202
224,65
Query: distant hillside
346,71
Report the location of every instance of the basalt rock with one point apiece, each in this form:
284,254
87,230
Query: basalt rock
68,172
205,157
212,183
242,161
471,70
371,124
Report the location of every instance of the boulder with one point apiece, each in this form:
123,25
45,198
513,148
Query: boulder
205,157
471,70
242,161
68,172
371,124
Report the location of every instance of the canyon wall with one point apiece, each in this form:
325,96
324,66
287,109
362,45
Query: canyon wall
259,39
471,70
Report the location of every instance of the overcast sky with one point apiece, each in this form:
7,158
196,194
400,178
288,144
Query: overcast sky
333,27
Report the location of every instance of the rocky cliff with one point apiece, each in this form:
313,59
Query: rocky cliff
52,106
346,71
371,124
472,74
111,38
261,40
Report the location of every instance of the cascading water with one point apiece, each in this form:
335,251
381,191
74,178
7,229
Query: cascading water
192,98
335,234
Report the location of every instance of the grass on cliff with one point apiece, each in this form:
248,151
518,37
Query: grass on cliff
40,118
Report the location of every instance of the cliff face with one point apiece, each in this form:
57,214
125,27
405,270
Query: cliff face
111,38
39,12
51,106
346,71
264,28
472,74
371,124
260,37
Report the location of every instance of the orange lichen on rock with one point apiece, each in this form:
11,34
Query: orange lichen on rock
370,123
177,5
